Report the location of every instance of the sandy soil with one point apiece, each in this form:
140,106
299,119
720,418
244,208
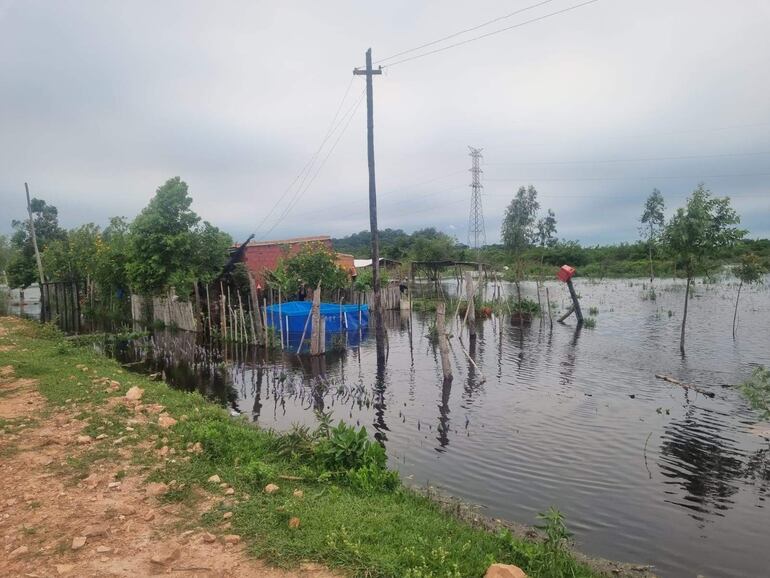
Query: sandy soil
52,524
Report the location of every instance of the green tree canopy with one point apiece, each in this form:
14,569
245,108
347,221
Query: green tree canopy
311,264
518,228
696,233
22,269
167,248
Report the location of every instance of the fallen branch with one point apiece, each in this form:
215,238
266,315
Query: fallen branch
685,385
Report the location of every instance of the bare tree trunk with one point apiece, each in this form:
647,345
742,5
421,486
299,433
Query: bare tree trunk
735,315
652,274
684,316
470,313
443,346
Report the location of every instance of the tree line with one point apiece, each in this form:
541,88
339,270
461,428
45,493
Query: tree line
166,246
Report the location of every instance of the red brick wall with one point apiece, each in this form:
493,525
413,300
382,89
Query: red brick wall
262,258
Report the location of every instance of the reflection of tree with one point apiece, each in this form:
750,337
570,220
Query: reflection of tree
698,460
758,469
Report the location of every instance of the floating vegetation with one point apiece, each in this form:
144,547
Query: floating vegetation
589,322
593,311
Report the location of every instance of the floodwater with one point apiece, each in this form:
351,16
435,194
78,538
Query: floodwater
644,470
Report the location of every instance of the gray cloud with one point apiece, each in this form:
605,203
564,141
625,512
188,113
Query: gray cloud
100,102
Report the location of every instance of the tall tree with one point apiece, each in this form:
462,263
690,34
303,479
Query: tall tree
22,269
518,228
652,221
750,270
5,254
162,240
546,238
695,233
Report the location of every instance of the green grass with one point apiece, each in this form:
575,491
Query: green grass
354,516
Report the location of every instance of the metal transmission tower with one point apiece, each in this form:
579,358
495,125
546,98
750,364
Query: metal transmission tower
477,237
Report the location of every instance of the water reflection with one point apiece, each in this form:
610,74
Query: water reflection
698,459
563,418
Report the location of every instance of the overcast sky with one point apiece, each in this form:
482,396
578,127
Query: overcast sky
102,101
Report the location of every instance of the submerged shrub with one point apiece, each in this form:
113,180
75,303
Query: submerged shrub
757,390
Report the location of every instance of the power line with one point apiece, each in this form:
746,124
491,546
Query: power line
301,191
308,166
461,32
488,34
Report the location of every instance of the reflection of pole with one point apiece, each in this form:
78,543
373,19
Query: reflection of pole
443,346
575,302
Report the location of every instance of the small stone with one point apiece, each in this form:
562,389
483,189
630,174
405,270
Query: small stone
164,556
232,539
62,569
96,531
119,441
229,492
215,479
20,551
298,494
134,394
208,537
163,451
294,522
223,485
227,515
504,571
271,489
156,488
114,485
78,542
101,436
103,549
83,440
149,516
227,526
166,421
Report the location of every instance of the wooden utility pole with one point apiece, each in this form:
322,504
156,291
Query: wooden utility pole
443,345
34,238
41,276
379,328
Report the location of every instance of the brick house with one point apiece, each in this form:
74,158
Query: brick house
263,256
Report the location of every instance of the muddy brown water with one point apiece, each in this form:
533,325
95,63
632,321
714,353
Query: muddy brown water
645,471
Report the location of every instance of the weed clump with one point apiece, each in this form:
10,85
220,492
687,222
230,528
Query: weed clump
757,390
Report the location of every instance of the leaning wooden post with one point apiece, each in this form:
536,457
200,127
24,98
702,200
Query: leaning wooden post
258,330
470,313
315,330
41,276
443,346
565,274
